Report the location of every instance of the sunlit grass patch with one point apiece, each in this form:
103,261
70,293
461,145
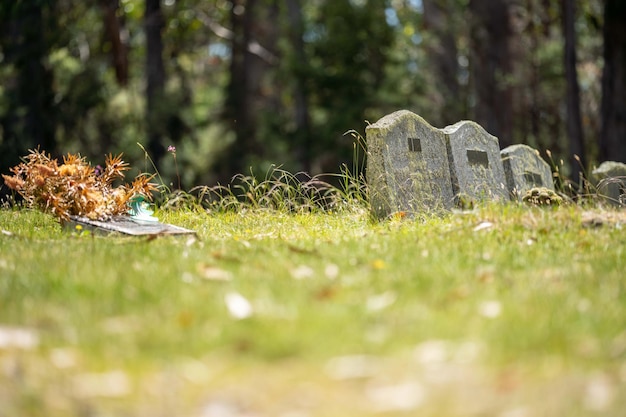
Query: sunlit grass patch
272,311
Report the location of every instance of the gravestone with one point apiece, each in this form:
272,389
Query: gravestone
525,169
610,181
407,166
475,165
125,225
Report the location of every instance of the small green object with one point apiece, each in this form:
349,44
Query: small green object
139,209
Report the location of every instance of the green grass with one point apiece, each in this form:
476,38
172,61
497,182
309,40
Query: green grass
524,315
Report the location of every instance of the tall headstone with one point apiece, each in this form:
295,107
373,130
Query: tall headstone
475,165
525,169
407,166
610,181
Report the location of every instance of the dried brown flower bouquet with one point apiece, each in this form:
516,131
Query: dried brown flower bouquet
75,187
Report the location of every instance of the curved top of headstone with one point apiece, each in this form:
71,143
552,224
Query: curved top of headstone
608,169
519,148
399,116
451,129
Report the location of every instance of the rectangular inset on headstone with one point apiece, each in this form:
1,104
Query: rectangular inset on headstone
415,145
478,158
533,179
524,169
407,166
474,159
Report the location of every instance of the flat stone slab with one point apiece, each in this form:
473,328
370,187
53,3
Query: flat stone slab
475,163
525,169
125,225
407,166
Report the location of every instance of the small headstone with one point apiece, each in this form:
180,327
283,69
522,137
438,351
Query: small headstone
610,181
407,166
125,225
475,165
525,169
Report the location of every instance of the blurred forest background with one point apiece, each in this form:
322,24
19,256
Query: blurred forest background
242,84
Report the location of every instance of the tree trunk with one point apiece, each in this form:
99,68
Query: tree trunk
236,109
155,79
491,67
300,93
613,136
30,119
113,30
249,95
443,50
574,123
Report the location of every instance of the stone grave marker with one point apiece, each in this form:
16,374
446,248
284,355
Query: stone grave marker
407,166
125,225
475,165
525,169
610,181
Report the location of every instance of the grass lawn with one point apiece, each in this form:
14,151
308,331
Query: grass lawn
504,311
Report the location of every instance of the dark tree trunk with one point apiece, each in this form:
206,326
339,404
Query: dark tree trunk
248,94
491,67
532,130
113,27
30,120
443,51
155,79
613,136
236,108
573,119
302,117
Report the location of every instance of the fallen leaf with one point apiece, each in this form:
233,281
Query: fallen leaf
220,255
302,272
213,273
326,293
331,271
599,393
297,249
352,367
238,306
107,384
432,352
490,309
404,396
381,301
7,233
63,358
18,338
483,226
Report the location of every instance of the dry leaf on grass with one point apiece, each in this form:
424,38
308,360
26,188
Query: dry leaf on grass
213,273
238,306
18,338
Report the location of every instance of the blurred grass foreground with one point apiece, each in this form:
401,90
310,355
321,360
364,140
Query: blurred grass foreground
505,310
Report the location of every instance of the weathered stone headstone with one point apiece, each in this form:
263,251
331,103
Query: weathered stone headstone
125,225
525,169
475,165
610,181
407,166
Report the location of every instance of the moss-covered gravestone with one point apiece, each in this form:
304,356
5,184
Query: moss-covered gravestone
475,164
407,166
525,169
610,181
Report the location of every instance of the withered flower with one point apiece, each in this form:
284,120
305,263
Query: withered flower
74,187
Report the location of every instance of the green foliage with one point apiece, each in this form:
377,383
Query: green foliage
355,62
